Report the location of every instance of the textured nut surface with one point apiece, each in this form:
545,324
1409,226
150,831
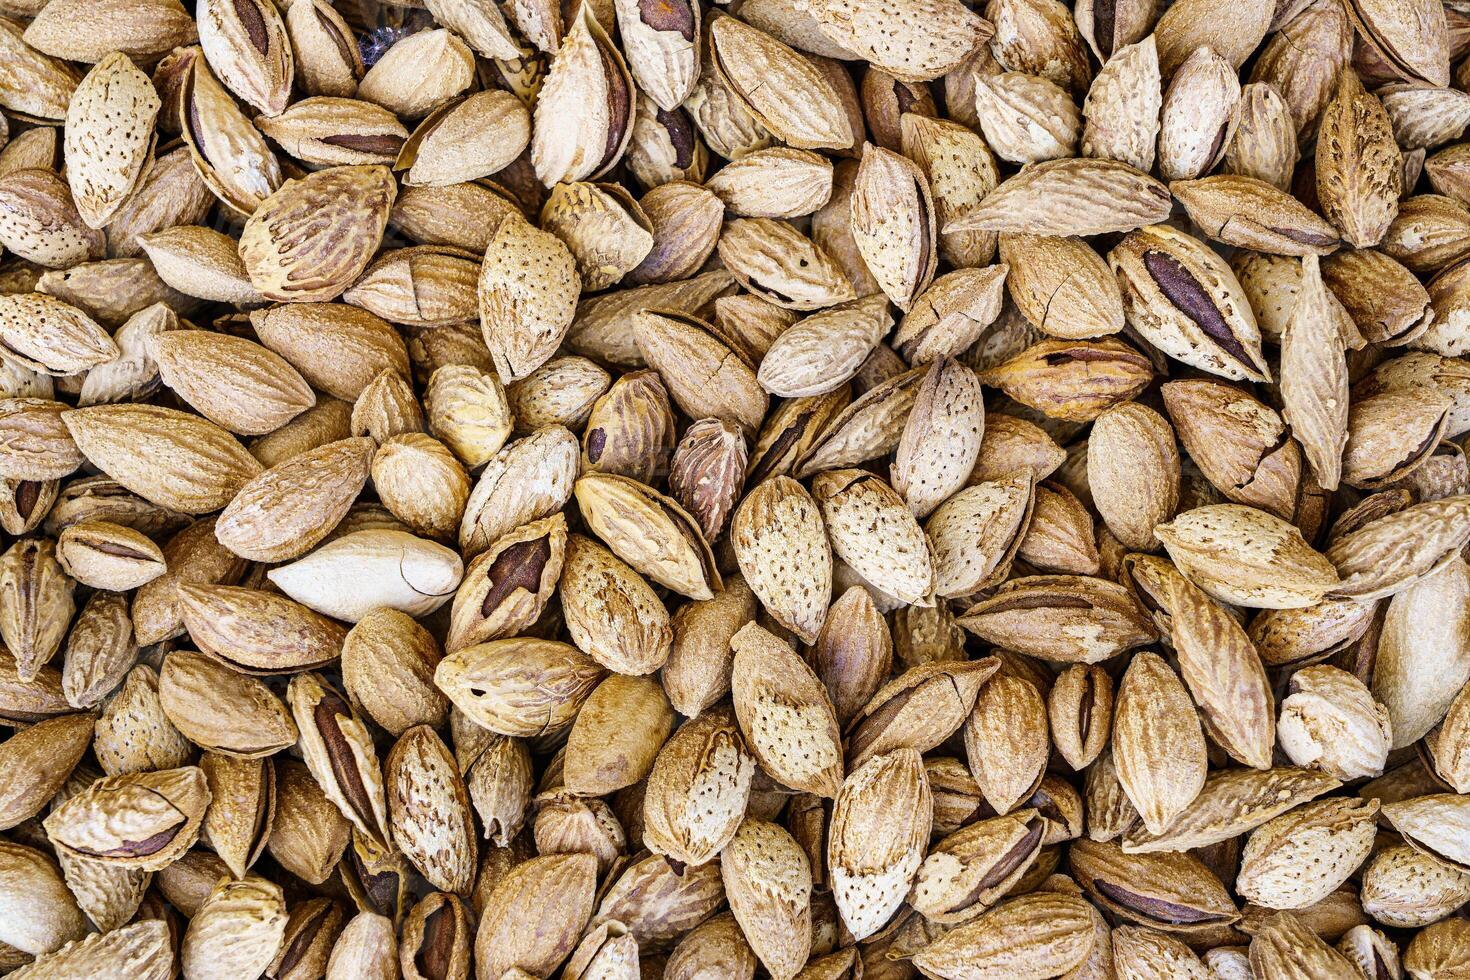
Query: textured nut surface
808,489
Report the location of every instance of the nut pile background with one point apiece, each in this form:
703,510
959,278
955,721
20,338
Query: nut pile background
837,489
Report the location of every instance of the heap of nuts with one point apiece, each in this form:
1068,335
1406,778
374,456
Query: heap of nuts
820,489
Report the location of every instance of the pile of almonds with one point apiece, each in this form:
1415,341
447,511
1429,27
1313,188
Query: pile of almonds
820,489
